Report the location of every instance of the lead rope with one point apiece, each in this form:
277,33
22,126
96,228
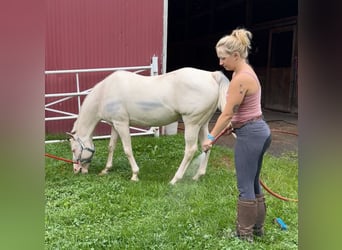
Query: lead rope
60,158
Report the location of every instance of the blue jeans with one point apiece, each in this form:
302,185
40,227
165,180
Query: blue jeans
253,139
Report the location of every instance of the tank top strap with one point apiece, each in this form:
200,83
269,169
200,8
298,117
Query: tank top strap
252,75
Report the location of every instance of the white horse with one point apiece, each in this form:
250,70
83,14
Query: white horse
125,98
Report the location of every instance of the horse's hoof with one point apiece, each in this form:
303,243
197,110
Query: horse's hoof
104,172
135,179
197,177
173,182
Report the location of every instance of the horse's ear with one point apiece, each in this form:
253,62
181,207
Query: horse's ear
71,135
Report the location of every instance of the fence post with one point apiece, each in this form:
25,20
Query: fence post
78,91
154,66
154,72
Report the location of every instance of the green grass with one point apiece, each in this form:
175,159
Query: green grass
112,212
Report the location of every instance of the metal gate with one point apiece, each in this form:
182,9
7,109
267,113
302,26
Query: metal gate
59,98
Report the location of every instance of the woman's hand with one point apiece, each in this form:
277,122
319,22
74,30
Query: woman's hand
209,142
207,145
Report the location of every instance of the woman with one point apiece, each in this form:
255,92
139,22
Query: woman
243,113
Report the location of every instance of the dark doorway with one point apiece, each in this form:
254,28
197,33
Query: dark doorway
194,27
279,90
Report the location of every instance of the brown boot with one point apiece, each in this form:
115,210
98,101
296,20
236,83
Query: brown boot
258,228
246,216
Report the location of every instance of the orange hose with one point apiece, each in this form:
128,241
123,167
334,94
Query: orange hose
275,194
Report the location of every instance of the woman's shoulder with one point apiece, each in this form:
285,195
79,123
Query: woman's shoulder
246,74
246,79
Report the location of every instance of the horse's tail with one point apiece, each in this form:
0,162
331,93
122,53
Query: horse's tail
223,83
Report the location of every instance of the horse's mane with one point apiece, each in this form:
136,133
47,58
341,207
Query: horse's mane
223,82
73,131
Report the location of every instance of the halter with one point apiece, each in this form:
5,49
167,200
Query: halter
83,147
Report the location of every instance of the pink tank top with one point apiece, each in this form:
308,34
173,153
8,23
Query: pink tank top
250,107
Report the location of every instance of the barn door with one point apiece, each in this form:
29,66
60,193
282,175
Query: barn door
281,82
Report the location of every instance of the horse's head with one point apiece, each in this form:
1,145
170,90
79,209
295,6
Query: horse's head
81,154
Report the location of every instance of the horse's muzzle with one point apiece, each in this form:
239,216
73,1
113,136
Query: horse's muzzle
78,168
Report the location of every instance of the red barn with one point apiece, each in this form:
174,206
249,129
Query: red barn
90,34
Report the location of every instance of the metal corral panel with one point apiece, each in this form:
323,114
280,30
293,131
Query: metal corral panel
83,34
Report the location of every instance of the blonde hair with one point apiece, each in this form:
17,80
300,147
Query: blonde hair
238,41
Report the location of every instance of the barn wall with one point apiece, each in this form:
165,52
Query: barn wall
84,34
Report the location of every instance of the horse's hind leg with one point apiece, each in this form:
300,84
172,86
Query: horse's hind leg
111,148
191,136
204,161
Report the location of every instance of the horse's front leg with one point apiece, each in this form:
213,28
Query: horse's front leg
191,136
124,133
111,148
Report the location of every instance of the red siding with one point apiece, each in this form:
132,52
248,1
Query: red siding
84,34
105,33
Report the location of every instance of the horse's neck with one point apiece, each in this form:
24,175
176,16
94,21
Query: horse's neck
86,121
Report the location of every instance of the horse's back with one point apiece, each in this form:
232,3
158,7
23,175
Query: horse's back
158,100
184,82
194,87
180,76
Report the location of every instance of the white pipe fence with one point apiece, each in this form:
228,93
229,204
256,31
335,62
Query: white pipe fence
153,68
